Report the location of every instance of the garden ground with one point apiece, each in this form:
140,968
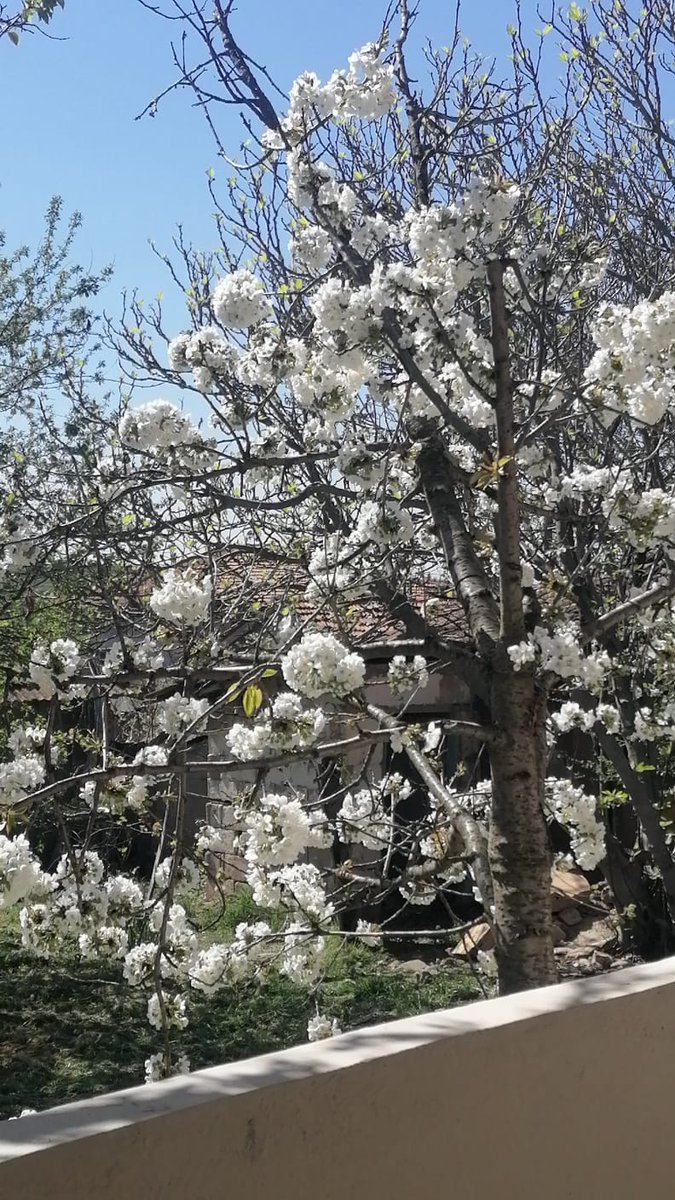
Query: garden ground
71,1029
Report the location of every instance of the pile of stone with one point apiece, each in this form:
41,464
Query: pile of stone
585,934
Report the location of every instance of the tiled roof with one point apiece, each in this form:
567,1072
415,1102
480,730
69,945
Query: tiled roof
257,595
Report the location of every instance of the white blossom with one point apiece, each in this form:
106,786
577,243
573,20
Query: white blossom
239,300
177,712
522,653
279,829
302,956
402,675
385,524
175,1014
577,812
21,875
320,1028
572,716
182,598
363,819
320,664
158,425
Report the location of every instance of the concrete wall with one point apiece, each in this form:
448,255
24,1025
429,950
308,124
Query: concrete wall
561,1093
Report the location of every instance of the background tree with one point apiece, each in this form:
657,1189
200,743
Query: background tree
14,22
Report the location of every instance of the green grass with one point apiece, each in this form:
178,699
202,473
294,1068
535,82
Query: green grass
70,1029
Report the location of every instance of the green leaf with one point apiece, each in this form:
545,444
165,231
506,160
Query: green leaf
253,698
13,36
269,673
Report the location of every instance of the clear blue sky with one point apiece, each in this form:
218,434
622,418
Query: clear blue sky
69,107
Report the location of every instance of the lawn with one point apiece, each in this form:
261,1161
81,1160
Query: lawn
70,1029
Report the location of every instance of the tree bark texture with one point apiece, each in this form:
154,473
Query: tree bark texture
518,843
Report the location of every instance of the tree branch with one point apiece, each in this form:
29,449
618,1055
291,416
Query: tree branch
466,825
596,630
508,521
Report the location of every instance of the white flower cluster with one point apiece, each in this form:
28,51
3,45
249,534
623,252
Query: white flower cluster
80,903
583,480
319,1028
404,675
18,778
297,887
212,839
206,353
147,656
278,830
28,739
217,965
186,876
302,889
385,524
139,963
151,756
646,517
577,812
521,654
359,466
156,426
419,891
439,234
18,543
334,567
174,1011
651,726
177,712
53,665
155,1067
311,246
302,956
21,875
366,91
319,663
364,818
438,847
107,941
182,599
572,716
560,653
633,369
239,301
289,727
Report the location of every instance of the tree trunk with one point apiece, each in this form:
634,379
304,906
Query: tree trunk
519,851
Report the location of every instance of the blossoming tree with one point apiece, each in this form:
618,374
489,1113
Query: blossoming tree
437,343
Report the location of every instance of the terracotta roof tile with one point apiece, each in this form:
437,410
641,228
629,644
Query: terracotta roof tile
259,594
